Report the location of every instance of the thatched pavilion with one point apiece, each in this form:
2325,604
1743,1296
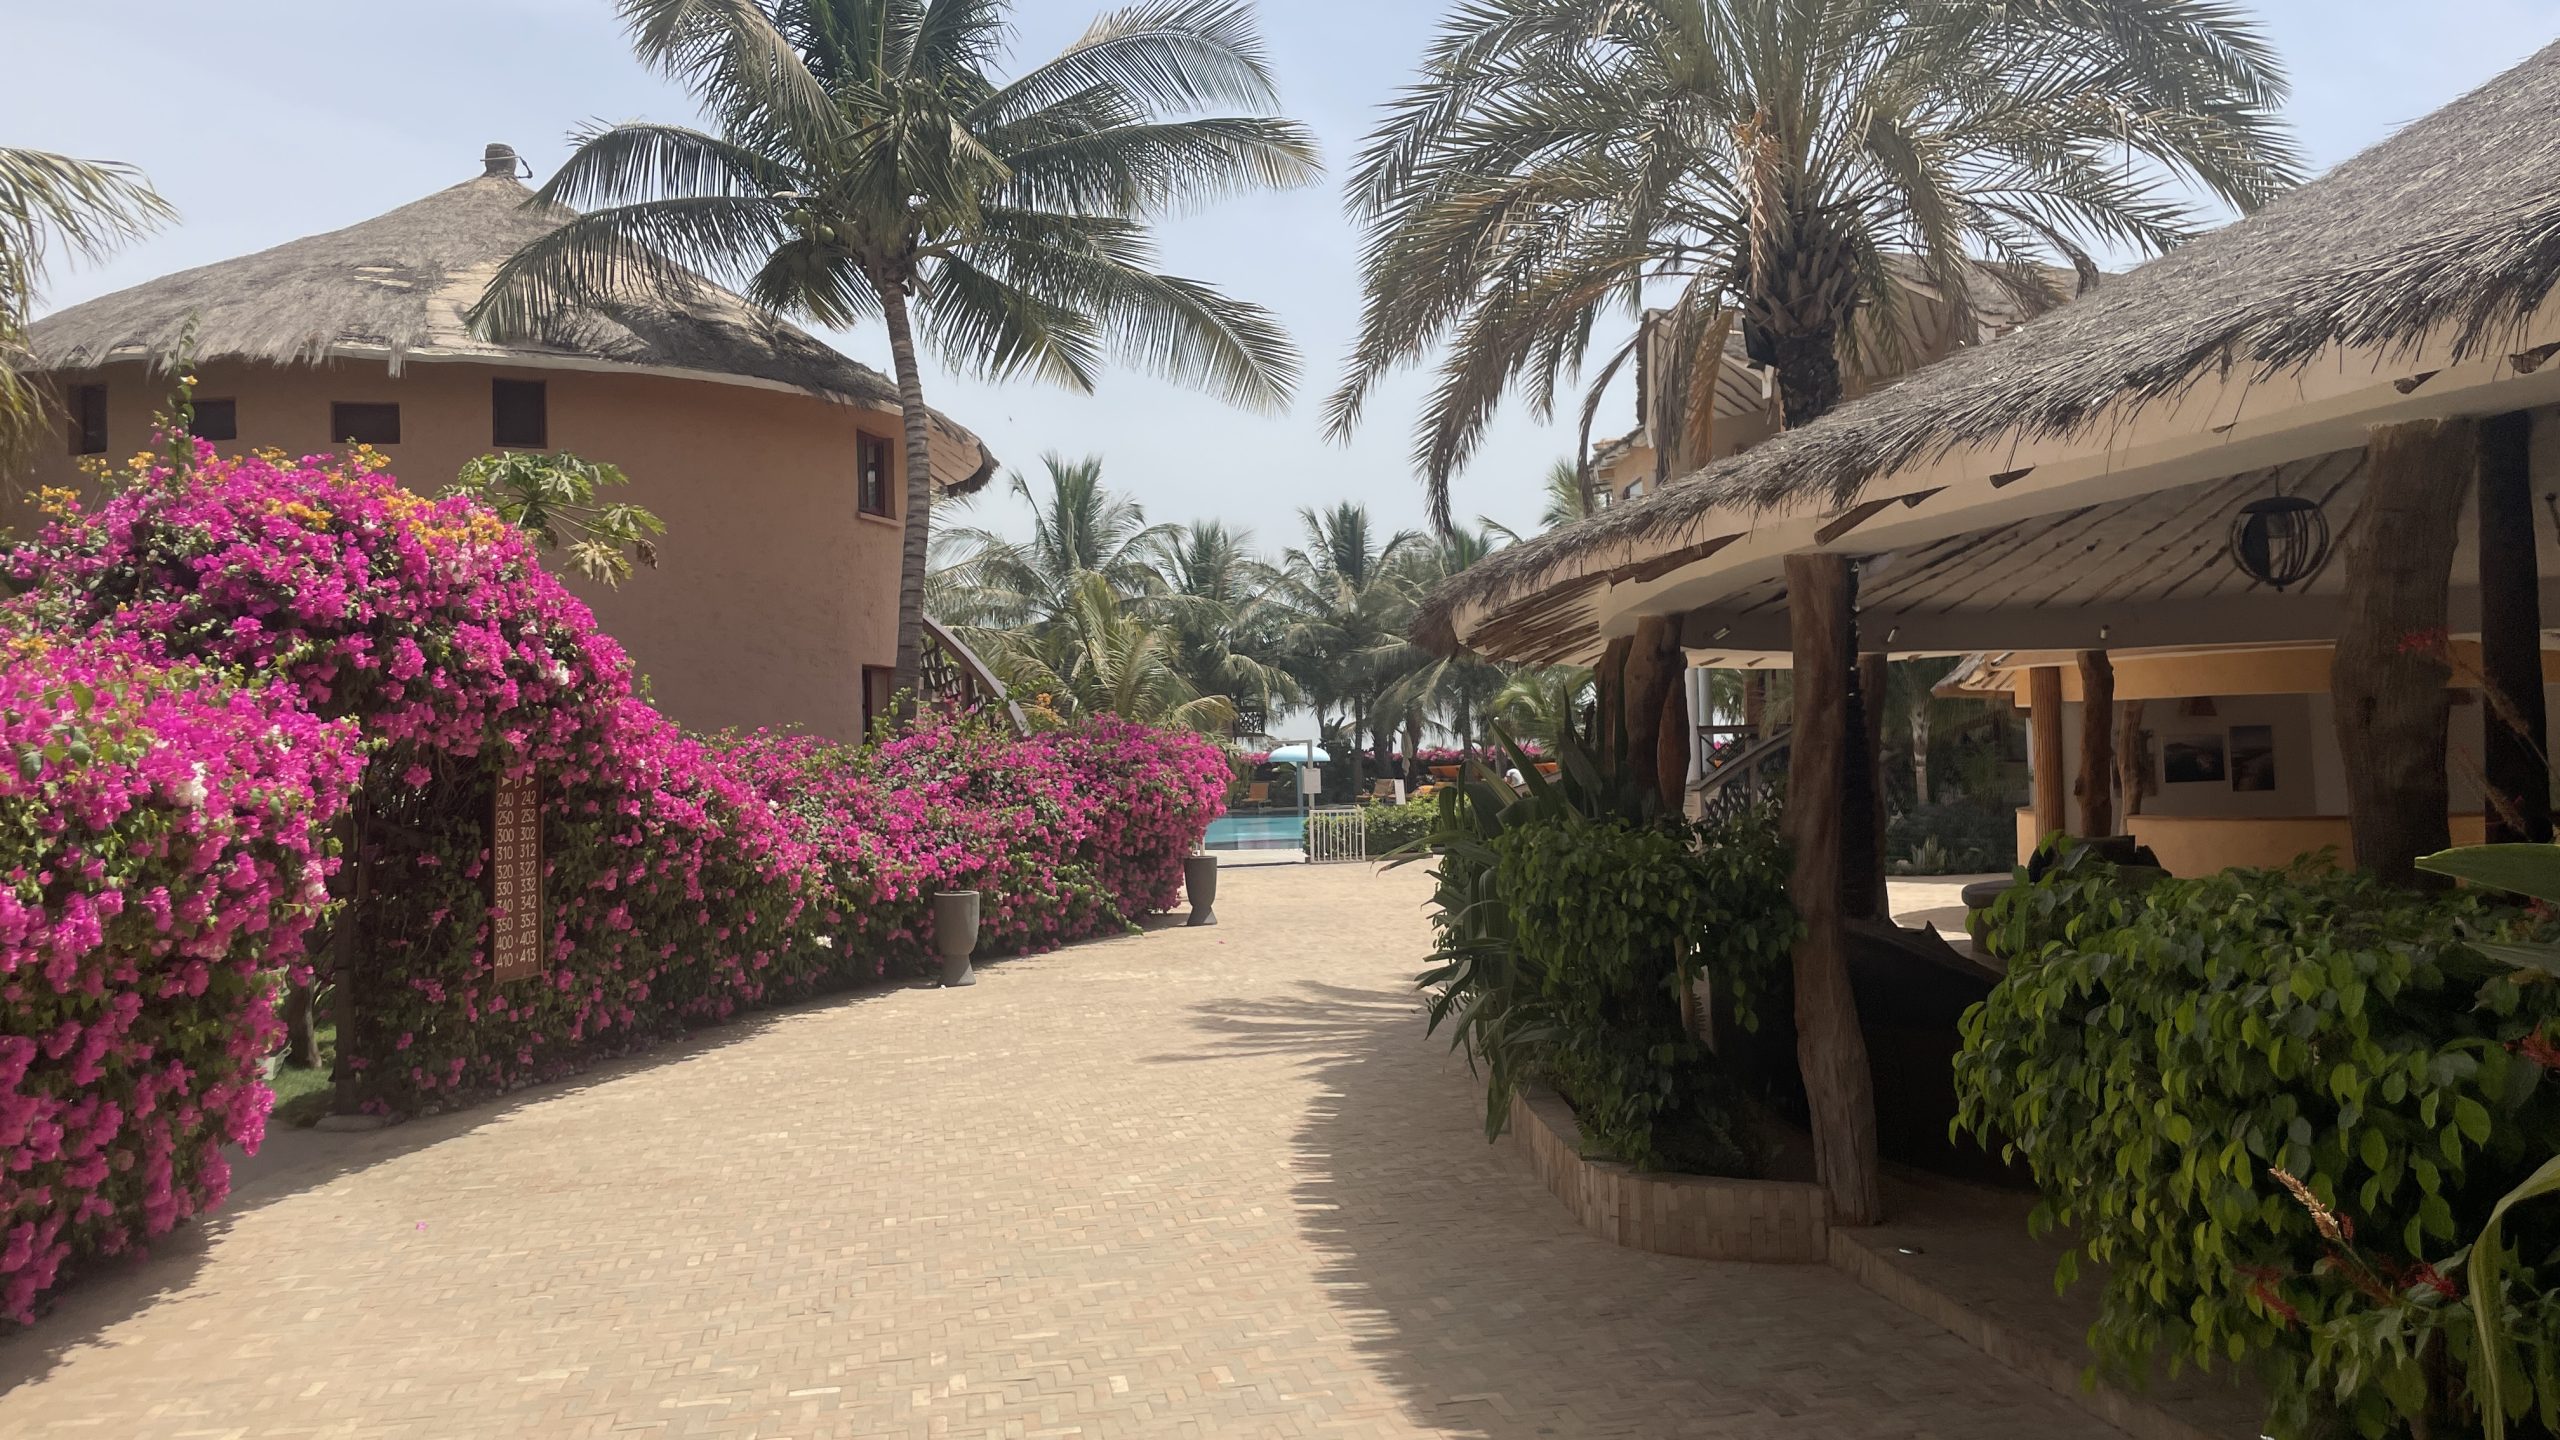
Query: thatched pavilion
2068,499
775,461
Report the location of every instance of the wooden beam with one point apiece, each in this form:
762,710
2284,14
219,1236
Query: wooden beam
2044,746
1874,675
2388,678
2097,743
1830,1048
1653,666
2513,753
1671,743
1609,687
2133,757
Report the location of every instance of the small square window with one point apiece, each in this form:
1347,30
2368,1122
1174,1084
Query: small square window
879,692
519,415
364,423
88,420
216,420
872,464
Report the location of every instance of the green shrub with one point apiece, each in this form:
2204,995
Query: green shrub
1397,827
2156,1054
1952,838
1571,917
1618,919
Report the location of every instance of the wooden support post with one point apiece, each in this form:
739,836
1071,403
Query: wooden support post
1609,687
2133,757
2044,743
1830,1048
2097,744
2388,678
1653,667
2512,753
1671,744
1755,703
1874,675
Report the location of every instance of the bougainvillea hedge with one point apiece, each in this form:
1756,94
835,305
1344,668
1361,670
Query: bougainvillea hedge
163,850
1070,833
685,880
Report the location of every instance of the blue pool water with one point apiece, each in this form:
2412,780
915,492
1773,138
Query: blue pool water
1282,831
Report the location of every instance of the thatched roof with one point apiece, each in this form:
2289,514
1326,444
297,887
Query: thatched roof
396,288
2451,227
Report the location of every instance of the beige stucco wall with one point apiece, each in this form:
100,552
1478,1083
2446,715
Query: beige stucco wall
771,592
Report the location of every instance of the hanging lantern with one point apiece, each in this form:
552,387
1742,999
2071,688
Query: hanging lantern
2281,541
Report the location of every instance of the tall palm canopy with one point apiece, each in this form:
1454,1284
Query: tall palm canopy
862,162
54,205
1767,158
1078,528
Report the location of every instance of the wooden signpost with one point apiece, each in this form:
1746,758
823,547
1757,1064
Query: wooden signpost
515,879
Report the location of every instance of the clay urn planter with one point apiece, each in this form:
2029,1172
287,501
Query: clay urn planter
1200,886
955,933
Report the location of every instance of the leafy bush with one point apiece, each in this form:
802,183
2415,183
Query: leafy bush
677,891
1395,827
1571,917
163,847
1951,838
2156,1054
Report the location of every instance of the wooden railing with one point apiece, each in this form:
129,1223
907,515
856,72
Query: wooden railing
948,672
1741,773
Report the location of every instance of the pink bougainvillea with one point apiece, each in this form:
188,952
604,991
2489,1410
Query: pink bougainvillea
162,852
412,652
1068,834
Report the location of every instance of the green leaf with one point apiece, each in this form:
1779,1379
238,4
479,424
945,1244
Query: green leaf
2531,870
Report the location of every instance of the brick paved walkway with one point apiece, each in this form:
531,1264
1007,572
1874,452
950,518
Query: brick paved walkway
1199,1183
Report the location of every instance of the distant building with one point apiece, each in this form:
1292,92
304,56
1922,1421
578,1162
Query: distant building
776,462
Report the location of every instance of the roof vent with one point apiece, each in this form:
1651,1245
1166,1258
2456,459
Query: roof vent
499,162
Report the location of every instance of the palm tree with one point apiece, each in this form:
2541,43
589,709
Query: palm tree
863,163
1456,691
1567,498
1099,658
1348,601
52,204
1227,628
1772,161
1078,528
1544,703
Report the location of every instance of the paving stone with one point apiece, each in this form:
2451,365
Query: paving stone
1207,1182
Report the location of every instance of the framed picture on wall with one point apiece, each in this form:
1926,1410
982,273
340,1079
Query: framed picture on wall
2196,758
2253,757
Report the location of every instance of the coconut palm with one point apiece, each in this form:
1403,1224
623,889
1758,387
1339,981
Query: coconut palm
1078,528
1349,601
1097,658
1544,703
1567,498
1217,597
52,205
1455,691
1768,158
863,162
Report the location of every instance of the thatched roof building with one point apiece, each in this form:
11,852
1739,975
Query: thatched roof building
395,288
2410,281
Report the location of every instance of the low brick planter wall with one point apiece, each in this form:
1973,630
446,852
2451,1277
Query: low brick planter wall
1700,1216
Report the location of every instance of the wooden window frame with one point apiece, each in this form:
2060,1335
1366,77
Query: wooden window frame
539,394
227,408
86,431
879,694
341,414
887,509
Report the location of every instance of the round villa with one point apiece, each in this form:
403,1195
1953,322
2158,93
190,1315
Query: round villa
774,460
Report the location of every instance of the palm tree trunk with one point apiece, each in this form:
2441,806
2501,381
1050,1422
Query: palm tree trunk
919,514
1808,366
1920,751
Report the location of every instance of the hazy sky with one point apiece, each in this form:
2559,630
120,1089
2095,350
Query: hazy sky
268,119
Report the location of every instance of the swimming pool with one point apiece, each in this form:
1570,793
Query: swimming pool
1271,831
